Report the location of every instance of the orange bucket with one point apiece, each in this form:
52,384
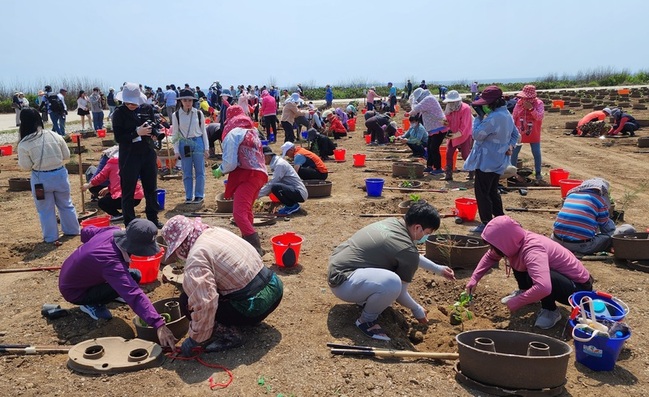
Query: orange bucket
466,208
339,155
567,184
359,160
74,137
351,123
149,266
396,108
558,174
98,221
442,153
287,249
557,104
623,91
406,124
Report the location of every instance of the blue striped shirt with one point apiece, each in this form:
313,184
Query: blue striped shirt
581,216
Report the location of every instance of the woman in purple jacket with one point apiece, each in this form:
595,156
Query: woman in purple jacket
544,270
97,273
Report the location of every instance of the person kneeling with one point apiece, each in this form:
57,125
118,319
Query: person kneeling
416,137
321,145
307,164
286,184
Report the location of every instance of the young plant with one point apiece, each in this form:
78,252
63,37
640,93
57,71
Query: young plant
460,310
414,197
406,184
629,197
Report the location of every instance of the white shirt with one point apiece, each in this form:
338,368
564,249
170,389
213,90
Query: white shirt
189,127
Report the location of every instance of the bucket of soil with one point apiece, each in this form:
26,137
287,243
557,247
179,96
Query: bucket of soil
456,250
175,321
317,188
223,205
407,170
510,364
20,184
73,167
634,246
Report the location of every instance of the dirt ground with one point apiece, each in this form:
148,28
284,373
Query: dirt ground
287,354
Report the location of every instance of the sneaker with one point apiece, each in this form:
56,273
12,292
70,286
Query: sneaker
96,311
477,229
373,330
116,218
428,169
119,299
189,201
436,172
509,297
289,210
547,318
198,200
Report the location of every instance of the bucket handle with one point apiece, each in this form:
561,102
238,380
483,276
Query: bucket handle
586,340
614,299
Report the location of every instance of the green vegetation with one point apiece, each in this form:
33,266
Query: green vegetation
460,309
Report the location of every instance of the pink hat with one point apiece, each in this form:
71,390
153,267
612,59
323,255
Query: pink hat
528,92
180,228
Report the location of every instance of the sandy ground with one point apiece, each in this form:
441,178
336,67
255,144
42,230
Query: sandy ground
287,354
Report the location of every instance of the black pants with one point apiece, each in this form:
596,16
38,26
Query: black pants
486,193
301,121
307,173
144,166
112,206
417,150
270,123
434,158
288,132
562,288
287,194
104,293
393,102
378,135
338,135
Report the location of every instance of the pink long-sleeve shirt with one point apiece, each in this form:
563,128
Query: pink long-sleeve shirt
460,121
523,116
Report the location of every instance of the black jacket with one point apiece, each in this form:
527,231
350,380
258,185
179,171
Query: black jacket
125,123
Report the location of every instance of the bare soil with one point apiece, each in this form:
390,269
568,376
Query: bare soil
286,355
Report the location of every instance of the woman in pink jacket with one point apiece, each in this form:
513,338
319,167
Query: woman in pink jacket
111,197
269,114
460,129
528,117
544,270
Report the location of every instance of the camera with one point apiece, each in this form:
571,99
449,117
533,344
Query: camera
146,115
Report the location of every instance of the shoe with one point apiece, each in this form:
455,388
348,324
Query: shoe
428,169
119,299
116,218
158,224
198,200
477,229
96,311
447,178
509,297
227,338
373,330
189,201
289,210
436,172
547,318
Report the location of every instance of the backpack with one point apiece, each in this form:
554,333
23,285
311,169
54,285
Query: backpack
56,105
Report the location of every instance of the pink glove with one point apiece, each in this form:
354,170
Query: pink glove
470,286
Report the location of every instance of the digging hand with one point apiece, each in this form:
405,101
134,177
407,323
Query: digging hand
470,286
448,273
166,337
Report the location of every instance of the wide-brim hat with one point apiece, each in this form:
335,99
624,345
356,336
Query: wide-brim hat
286,147
528,92
139,238
186,94
452,96
131,93
489,95
175,232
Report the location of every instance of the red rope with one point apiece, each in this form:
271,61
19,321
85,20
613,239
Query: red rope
175,355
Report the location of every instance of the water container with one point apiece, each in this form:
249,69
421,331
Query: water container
558,174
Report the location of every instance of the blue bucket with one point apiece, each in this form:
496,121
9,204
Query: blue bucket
598,353
264,142
161,194
374,186
614,309
271,137
305,134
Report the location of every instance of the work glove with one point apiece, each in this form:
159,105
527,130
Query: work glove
186,349
217,173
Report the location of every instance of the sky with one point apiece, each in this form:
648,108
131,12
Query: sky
335,42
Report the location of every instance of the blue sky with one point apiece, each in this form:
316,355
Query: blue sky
333,42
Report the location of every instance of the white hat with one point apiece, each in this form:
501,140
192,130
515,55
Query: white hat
510,171
131,94
452,96
286,147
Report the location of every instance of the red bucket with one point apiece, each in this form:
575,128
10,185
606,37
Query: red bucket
567,184
7,150
557,174
339,154
271,196
149,266
359,160
368,138
351,123
287,248
466,208
98,221
442,153
406,124
101,133
363,111
74,137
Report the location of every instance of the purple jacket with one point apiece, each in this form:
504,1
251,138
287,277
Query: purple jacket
98,260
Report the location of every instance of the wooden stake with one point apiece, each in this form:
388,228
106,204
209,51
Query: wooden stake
346,350
416,189
83,200
30,269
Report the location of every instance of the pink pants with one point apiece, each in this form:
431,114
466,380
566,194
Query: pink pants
244,185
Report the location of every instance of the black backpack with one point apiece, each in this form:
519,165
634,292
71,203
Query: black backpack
56,105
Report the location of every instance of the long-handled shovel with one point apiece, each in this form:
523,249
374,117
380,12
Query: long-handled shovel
83,200
347,350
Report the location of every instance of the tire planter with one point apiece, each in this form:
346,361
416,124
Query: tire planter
464,251
633,246
408,170
571,125
404,206
643,142
179,324
108,142
20,184
223,205
73,168
317,188
76,149
413,185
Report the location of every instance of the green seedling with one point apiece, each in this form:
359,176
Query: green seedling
460,310
414,197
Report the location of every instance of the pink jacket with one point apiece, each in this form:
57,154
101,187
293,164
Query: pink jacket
462,121
523,116
527,252
268,104
111,172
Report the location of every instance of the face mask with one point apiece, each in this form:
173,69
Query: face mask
486,109
423,239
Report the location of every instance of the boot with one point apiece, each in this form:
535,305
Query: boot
212,153
253,239
448,176
471,175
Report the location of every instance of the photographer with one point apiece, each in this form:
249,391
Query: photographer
132,125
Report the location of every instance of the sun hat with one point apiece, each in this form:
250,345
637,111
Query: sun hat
489,95
607,111
327,113
372,88
286,147
138,238
452,96
131,93
528,92
178,229
226,92
186,94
